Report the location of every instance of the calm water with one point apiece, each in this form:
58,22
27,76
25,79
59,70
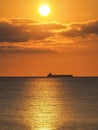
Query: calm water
48,103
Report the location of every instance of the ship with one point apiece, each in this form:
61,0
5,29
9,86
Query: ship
50,75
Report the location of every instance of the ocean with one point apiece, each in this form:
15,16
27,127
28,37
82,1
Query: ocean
49,103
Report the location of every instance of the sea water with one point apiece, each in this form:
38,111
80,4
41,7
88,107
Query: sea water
49,103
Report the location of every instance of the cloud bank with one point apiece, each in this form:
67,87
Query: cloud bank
23,35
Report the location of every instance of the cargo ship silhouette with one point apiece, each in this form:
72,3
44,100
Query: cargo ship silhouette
50,75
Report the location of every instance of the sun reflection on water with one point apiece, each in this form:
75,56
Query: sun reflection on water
45,106
44,128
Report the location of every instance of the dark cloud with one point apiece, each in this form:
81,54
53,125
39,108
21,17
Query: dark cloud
22,49
20,33
12,33
20,30
82,29
90,28
23,21
31,36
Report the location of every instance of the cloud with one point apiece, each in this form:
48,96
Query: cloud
20,30
29,47
81,29
23,30
33,50
20,33
31,36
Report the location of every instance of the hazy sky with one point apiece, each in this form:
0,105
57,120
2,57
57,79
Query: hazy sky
65,42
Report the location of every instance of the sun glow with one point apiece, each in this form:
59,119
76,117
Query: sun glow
44,10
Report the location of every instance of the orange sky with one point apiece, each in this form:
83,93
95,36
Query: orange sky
65,42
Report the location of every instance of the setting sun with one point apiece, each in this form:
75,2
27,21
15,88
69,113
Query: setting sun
44,10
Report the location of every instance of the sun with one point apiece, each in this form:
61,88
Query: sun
44,10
